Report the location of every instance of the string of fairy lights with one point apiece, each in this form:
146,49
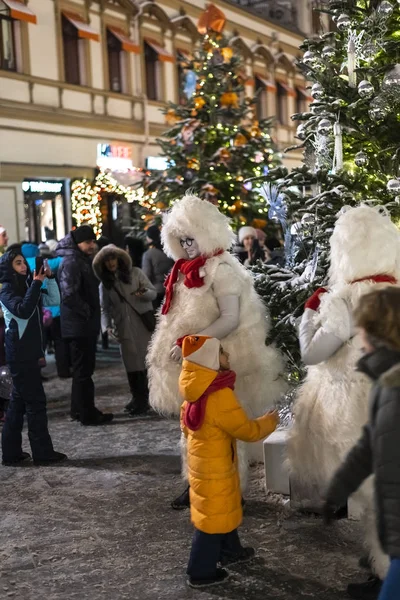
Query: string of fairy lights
86,198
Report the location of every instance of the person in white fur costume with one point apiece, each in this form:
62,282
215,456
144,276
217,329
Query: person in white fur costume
332,405
209,293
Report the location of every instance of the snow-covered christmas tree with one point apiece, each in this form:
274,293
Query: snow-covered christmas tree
215,142
351,142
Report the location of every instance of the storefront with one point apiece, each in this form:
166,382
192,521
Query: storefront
46,214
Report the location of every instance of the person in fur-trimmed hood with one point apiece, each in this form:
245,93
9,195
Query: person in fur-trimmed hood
126,296
332,405
209,293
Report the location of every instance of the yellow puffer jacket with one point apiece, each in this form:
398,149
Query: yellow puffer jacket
215,497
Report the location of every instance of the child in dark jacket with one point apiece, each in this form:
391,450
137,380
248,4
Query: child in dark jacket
378,450
20,301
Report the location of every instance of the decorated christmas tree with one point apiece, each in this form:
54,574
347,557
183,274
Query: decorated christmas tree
351,143
215,142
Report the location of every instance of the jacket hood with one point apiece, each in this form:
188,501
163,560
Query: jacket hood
384,365
30,250
197,219
364,242
67,246
6,270
194,381
110,250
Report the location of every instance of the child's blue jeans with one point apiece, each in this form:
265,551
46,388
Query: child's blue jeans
391,586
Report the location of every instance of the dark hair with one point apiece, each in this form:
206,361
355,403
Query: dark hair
107,277
256,252
154,234
272,244
378,313
136,249
19,282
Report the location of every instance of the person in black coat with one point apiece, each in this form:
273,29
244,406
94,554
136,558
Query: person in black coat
378,450
21,300
80,320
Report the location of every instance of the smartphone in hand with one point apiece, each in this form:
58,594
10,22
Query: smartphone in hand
38,264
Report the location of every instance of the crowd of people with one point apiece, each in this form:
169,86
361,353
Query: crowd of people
192,332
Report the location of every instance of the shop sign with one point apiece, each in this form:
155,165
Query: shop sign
115,157
42,187
157,163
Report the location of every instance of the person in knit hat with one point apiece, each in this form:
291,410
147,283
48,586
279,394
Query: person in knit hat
80,320
212,420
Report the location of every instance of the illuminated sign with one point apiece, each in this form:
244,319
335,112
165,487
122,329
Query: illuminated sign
115,157
157,163
41,187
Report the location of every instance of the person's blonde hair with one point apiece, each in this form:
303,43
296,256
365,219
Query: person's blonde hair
378,313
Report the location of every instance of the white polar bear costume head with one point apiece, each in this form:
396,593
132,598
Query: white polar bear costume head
192,217
364,243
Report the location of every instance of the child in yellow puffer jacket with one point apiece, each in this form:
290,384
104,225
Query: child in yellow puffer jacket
212,420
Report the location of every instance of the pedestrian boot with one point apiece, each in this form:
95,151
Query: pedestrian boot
232,558
368,590
139,405
220,576
98,418
183,501
15,462
54,458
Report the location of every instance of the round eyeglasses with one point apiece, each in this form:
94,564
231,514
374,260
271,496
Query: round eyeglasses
186,242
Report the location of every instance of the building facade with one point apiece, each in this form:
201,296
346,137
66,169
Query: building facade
82,83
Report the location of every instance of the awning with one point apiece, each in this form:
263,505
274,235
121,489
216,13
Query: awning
84,29
127,43
269,85
185,53
163,55
303,92
289,90
19,11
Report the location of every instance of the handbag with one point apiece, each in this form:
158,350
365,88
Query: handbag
148,318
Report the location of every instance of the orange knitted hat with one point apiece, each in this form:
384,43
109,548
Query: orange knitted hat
202,350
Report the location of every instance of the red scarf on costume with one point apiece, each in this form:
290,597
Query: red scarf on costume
191,270
196,411
377,279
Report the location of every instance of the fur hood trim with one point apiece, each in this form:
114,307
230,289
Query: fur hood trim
364,242
104,253
200,220
391,378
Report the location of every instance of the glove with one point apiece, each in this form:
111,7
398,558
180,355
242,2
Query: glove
328,513
315,301
176,354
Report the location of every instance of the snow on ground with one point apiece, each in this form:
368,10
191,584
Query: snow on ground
100,527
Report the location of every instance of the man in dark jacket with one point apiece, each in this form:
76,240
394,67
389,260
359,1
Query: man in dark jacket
378,450
80,320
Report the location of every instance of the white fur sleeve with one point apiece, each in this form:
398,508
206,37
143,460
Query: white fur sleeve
226,282
228,321
316,343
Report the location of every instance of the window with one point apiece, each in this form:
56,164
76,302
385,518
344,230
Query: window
116,63
152,67
301,100
75,33
7,43
261,94
281,104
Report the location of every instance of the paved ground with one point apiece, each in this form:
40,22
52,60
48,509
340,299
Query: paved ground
100,527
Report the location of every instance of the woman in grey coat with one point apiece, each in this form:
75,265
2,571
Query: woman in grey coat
126,297
156,264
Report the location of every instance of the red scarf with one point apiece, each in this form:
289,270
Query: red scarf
191,270
196,411
377,279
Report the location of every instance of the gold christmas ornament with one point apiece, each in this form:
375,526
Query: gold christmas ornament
229,99
227,54
171,117
211,19
193,163
225,155
199,102
255,131
240,140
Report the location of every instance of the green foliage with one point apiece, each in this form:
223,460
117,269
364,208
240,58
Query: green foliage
316,192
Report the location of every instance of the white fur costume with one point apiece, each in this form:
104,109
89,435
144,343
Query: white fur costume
257,366
332,405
